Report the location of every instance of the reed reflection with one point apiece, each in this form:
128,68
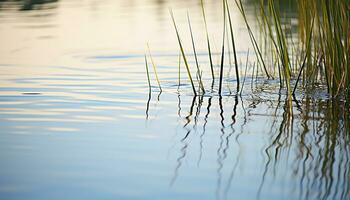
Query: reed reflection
319,152
220,156
307,140
203,130
184,143
147,104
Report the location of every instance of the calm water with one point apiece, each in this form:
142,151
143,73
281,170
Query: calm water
77,121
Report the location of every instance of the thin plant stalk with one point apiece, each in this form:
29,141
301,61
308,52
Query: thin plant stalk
304,61
233,44
252,38
282,45
154,67
245,74
148,79
195,56
223,50
208,42
179,74
183,54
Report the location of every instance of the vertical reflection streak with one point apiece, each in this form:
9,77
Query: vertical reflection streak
220,157
179,162
203,131
233,117
147,105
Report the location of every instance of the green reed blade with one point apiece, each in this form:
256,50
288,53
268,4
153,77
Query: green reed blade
183,54
195,56
148,79
223,50
154,67
252,37
245,72
208,42
304,61
179,74
233,44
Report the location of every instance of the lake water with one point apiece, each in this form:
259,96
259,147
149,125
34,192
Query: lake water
77,120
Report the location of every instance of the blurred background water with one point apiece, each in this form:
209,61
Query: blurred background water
77,121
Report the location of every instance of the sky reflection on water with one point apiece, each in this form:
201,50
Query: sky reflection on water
77,121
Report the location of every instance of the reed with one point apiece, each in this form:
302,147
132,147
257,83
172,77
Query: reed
252,38
179,72
199,75
183,53
223,49
245,74
233,44
318,54
154,68
322,49
208,42
147,72
282,48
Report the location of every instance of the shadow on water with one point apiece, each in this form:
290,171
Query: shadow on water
307,141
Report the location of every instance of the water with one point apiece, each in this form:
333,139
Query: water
77,121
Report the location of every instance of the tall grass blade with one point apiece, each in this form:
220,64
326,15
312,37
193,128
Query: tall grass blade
252,37
148,79
183,54
208,42
195,56
223,49
304,61
154,67
245,74
179,72
233,44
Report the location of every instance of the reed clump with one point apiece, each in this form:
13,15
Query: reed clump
317,55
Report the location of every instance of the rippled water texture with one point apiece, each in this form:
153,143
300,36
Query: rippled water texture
77,121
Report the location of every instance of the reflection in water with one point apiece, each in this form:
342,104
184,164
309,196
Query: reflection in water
220,157
147,104
231,175
321,149
184,142
203,131
190,113
308,141
31,4
70,102
179,161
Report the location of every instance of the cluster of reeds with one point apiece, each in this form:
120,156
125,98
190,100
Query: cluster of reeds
231,39
226,14
318,54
